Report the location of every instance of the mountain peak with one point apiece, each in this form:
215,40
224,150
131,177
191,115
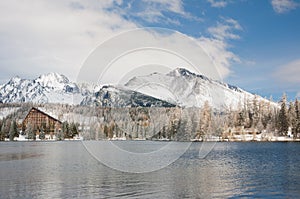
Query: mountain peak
15,79
53,76
190,89
53,80
180,87
51,87
183,72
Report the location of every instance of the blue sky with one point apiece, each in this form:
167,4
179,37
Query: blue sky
255,43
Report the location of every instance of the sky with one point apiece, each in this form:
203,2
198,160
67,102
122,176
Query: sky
254,44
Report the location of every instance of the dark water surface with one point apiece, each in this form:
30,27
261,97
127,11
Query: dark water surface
231,170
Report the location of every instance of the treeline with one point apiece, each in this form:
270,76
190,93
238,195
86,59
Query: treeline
278,119
8,125
173,123
11,125
69,130
252,115
10,129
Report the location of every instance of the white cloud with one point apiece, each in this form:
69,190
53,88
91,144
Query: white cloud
153,15
175,6
217,47
225,30
155,11
283,6
218,3
43,36
152,48
289,73
219,53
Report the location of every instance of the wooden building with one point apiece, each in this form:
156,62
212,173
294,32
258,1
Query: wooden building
41,120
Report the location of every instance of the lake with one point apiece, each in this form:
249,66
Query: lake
230,170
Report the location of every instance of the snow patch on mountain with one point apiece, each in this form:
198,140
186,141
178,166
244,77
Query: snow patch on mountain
178,87
188,89
49,88
112,96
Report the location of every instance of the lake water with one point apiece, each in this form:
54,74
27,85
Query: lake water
230,170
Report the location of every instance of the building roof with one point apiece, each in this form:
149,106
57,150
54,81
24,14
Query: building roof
36,109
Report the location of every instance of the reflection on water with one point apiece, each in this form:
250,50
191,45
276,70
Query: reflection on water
17,156
66,170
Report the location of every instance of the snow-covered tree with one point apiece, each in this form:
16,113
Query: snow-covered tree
30,131
283,117
3,131
42,133
205,119
297,119
13,131
266,115
255,112
292,116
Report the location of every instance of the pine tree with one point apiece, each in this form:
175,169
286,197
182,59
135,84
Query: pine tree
297,122
66,129
13,131
255,112
240,119
292,116
30,132
60,135
205,119
23,129
5,128
73,129
42,133
283,117
266,115
3,133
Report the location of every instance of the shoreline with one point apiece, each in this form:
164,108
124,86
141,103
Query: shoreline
297,140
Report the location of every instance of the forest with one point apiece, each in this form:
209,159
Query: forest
172,123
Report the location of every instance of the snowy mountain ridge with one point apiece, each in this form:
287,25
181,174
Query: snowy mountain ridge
188,89
56,88
112,96
178,87
49,88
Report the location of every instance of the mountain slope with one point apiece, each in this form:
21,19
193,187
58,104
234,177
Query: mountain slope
110,96
179,87
55,88
188,89
49,88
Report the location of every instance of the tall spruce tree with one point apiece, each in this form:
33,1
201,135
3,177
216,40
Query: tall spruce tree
297,115
42,135
2,132
283,117
205,118
255,112
13,131
66,129
30,131
292,116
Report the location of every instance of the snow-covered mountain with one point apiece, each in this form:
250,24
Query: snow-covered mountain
188,89
56,88
178,87
49,88
111,96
